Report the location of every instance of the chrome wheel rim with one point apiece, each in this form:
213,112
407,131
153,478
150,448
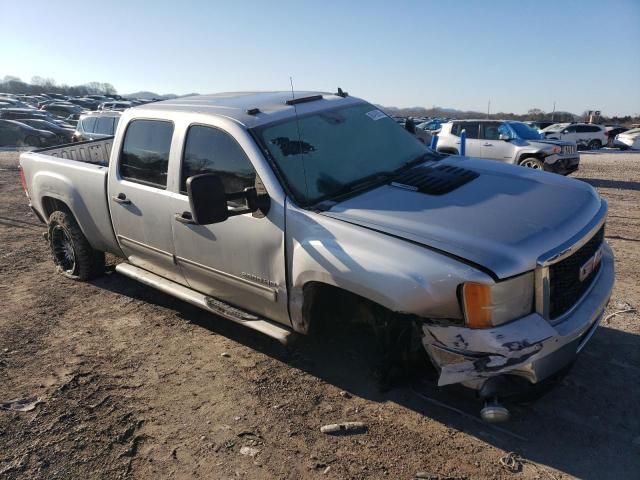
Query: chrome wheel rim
63,251
531,164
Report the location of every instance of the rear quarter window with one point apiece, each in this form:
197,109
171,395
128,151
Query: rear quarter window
104,125
88,124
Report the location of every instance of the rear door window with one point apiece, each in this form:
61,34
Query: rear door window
145,152
471,128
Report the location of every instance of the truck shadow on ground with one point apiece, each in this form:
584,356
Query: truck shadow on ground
605,183
587,426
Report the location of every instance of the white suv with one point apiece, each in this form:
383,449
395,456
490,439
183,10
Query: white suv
586,135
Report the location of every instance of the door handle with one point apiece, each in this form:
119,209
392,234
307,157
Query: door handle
184,217
487,144
122,199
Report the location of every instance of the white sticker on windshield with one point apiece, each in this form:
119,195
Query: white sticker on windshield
375,115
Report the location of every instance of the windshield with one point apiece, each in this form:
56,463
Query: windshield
322,154
525,132
556,127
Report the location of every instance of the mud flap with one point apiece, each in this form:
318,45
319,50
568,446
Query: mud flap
464,354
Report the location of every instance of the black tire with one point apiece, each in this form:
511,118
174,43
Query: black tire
595,145
532,162
71,252
32,141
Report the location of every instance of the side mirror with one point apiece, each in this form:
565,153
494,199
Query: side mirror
208,200
565,131
504,136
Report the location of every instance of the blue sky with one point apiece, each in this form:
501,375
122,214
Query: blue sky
582,54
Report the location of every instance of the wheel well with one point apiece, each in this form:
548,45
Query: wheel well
50,205
325,304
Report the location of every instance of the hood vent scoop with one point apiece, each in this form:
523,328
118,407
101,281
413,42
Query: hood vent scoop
435,180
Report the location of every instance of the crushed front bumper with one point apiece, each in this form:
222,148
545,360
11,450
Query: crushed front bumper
530,347
562,164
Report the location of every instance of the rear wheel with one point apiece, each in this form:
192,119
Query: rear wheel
72,254
595,145
532,162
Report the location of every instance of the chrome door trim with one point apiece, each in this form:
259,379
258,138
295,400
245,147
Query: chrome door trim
124,239
259,289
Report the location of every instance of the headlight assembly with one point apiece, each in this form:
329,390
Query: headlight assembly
487,306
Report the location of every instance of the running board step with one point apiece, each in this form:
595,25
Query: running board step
267,327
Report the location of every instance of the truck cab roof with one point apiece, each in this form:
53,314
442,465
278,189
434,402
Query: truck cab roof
253,109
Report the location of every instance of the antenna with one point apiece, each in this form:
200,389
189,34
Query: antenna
295,110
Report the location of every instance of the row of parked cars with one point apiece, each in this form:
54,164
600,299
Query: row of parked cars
51,119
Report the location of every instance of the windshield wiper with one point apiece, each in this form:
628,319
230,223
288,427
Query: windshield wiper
412,163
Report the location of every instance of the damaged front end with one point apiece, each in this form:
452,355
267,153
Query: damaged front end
531,347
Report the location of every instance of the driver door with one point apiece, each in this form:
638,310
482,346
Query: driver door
240,261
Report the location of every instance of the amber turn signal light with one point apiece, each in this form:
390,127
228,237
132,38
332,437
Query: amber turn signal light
477,305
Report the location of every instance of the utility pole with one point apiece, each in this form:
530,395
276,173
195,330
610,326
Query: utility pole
553,113
488,108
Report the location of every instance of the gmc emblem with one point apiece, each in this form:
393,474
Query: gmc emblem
590,265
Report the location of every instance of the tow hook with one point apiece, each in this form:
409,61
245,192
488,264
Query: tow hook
494,412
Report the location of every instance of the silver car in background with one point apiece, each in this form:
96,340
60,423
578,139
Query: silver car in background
510,142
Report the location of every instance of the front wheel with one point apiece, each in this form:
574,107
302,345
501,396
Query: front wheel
532,162
595,145
73,255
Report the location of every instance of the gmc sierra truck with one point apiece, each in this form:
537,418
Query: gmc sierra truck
264,208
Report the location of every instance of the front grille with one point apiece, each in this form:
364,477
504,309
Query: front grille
568,149
564,277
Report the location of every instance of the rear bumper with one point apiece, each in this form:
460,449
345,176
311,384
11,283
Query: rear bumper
561,165
531,347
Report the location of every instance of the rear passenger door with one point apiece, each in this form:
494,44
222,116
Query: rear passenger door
140,203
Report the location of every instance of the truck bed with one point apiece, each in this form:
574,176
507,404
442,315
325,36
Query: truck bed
76,175
96,152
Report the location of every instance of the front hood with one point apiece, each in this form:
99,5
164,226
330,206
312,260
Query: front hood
503,220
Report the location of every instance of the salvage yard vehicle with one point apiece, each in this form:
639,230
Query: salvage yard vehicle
585,135
511,142
14,133
629,139
266,209
96,125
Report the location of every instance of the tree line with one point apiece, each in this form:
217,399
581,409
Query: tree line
533,114
11,84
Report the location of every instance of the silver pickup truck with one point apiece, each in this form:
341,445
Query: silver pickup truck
266,208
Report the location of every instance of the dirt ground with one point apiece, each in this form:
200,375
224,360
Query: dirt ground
135,384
